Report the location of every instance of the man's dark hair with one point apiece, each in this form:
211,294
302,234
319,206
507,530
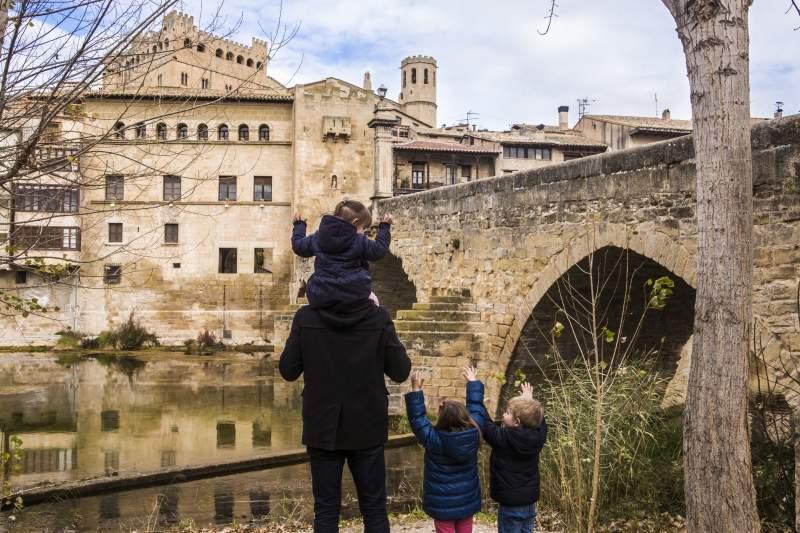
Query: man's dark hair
350,210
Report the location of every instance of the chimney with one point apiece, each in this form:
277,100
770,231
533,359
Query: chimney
367,85
563,117
665,115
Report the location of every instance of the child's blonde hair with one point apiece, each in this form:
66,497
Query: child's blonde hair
530,413
351,210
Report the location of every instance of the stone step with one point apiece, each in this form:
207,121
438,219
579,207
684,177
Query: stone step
435,336
465,293
438,314
429,325
450,299
441,306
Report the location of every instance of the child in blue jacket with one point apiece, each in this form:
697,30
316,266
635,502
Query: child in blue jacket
341,272
452,491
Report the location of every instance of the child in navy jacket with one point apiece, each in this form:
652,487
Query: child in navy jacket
341,271
514,463
452,491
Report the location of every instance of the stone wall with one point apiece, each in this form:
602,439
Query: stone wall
508,239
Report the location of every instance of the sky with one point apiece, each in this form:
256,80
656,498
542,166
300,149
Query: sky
623,55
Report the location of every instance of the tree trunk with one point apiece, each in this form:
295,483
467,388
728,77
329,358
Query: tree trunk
720,495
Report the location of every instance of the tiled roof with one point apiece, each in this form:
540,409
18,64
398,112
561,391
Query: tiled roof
653,123
567,138
430,146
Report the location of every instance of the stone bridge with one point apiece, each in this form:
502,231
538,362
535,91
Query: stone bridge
476,264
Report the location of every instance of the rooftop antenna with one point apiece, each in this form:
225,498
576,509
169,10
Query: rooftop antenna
655,95
583,103
778,107
470,115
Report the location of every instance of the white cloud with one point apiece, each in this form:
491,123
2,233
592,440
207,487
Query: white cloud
492,60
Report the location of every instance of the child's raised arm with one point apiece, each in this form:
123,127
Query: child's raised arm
476,408
415,409
378,248
301,245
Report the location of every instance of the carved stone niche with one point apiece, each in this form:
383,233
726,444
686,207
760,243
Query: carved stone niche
335,128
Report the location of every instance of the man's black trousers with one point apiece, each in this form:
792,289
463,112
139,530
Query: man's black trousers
369,474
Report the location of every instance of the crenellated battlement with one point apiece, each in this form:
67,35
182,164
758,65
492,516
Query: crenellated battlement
418,59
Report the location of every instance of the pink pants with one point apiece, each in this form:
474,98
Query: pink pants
463,525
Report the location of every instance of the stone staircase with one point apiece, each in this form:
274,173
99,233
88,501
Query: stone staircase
441,336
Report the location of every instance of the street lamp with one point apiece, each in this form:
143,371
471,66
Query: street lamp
382,91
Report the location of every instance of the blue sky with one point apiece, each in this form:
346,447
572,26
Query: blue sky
620,53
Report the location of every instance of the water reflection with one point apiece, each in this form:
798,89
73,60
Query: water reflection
281,494
99,416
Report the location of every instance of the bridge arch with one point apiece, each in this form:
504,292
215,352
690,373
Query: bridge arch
662,253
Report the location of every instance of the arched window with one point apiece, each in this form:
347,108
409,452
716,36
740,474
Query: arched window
259,65
249,62
425,77
263,132
166,44
229,56
141,130
334,182
244,132
119,130
434,77
155,49
202,132
183,131
222,132
201,48
187,43
240,60
161,131
404,78
160,45
219,52
413,75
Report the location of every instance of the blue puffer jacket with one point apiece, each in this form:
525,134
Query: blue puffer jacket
341,271
452,489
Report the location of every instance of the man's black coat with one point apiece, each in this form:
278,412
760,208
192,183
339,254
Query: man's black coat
344,356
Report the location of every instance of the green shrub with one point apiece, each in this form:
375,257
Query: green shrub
69,339
130,335
640,456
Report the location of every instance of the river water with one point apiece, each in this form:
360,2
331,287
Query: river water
97,416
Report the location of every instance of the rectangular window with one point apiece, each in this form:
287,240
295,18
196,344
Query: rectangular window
263,261
115,232
227,188
418,175
171,233
227,260
262,188
160,80
450,175
47,237
49,198
21,277
547,154
172,188
184,79
112,274
466,172
115,188
204,83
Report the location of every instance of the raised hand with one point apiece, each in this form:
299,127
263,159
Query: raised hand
388,219
417,380
527,391
470,373
298,217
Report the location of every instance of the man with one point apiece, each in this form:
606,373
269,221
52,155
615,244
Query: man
344,352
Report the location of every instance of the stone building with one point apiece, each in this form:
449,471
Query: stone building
620,132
